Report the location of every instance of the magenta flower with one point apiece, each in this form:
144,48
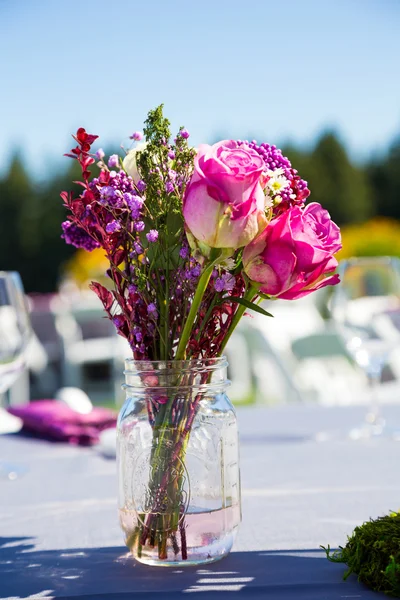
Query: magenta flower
293,256
224,204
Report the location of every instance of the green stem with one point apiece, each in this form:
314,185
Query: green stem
249,295
198,297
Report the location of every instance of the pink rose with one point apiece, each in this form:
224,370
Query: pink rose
224,204
293,256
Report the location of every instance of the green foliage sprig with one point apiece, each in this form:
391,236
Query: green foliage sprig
372,553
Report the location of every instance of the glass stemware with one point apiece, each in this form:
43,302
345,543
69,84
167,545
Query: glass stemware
368,293
14,329
15,333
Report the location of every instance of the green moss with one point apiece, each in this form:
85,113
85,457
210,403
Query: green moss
372,553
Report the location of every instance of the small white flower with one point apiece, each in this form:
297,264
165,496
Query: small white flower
275,172
229,264
277,182
268,201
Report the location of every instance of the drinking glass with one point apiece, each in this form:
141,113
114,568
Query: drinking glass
15,333
14,329
369,290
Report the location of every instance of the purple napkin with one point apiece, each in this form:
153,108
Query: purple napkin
54,420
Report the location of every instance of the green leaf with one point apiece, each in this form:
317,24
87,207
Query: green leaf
263,296
251,305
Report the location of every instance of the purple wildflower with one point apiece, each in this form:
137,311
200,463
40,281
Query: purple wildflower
169,187
171,154
141,186
137,333
113,161
184,252
224,283
152,310
152,236
139,225
195,272
137,136
219,284
128,197
100,154
76,236
134,202
138,248
184,133
113,226
118,321
106,193
132,288
122,182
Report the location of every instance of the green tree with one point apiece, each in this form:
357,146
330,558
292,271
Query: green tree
30,226
385,182
341,187
17,225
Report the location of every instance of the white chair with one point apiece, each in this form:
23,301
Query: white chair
239,369
94,353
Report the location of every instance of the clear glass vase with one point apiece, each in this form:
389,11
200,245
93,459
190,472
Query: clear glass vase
178,462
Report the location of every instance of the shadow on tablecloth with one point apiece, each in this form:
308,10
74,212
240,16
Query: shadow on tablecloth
108,573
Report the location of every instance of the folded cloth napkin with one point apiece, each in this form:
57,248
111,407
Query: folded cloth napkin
54,420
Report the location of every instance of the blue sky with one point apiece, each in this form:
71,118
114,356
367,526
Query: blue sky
280,71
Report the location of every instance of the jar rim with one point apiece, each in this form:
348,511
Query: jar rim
202,363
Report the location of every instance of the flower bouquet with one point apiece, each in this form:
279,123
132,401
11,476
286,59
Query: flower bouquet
193,237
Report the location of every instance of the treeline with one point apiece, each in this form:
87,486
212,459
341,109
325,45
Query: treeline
31,213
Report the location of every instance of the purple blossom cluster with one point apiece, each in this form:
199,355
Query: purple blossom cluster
152,235
113,227
186,277
192,271
168,176
224,283
113,161
76,236
273,158
119,192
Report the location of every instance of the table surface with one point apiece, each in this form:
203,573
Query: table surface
60,536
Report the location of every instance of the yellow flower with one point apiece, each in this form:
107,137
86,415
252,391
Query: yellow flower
86,266
378,237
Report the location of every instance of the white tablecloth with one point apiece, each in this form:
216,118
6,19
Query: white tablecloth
59,535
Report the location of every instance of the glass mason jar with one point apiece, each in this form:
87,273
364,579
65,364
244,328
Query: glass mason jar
178,462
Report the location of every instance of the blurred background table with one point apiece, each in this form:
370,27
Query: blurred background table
60,536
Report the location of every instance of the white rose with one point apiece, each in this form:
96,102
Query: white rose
129,162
